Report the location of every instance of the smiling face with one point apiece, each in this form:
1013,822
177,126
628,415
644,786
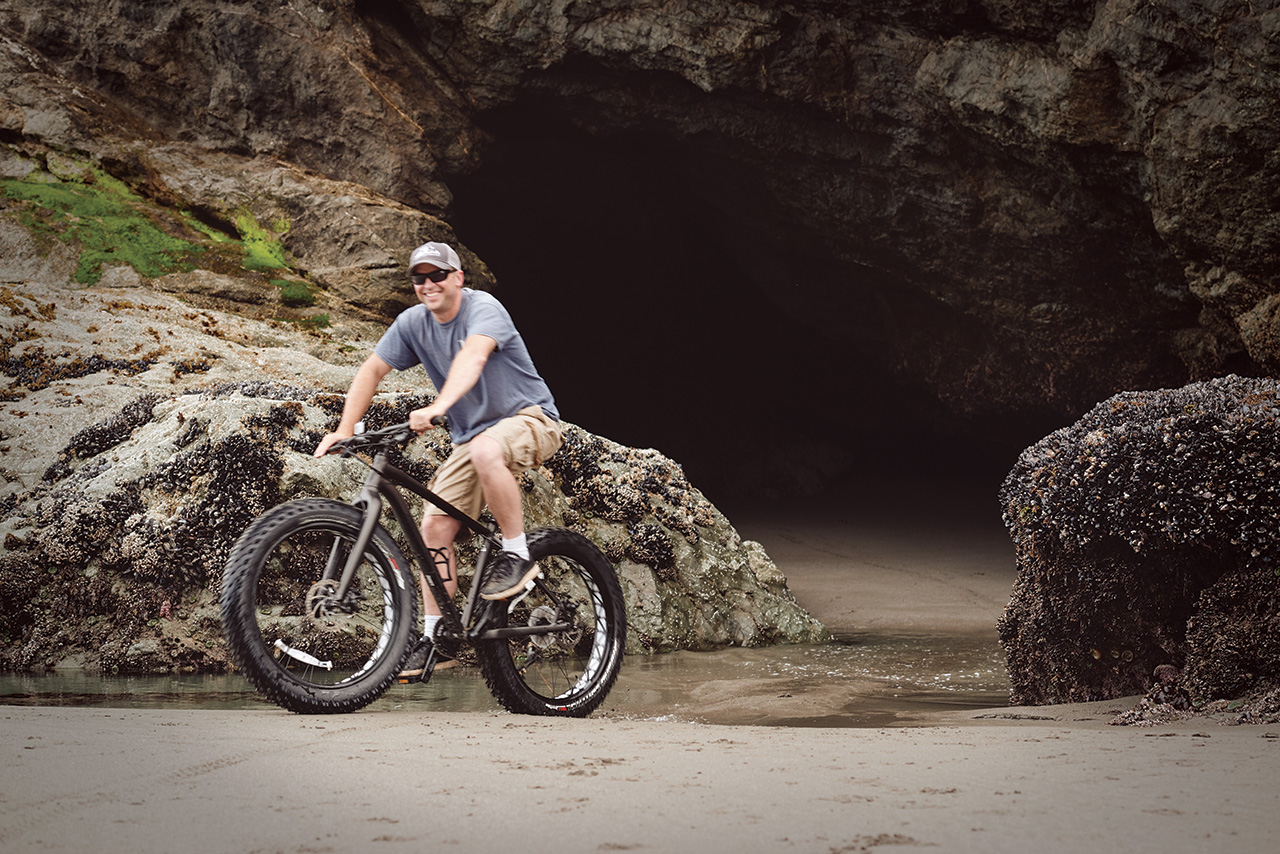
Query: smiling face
442,298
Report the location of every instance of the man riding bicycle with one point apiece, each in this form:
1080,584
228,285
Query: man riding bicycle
502,417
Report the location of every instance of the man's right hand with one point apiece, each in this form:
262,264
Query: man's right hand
327,442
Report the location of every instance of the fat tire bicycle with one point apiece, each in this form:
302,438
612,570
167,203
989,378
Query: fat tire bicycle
319,603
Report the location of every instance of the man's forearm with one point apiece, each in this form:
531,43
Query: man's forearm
363,387
465,371
359,396
463,375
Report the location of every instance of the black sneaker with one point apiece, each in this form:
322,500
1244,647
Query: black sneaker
414,668
507,575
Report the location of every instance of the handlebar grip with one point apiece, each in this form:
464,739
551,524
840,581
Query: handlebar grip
395,434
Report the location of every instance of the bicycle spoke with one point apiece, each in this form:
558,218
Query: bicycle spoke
558,670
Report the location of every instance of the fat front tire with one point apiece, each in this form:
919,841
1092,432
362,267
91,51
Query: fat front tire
302,645
565,673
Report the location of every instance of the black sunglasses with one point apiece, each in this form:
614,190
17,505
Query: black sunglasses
436,276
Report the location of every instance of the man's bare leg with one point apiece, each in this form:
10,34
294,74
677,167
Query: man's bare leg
501,491
439,532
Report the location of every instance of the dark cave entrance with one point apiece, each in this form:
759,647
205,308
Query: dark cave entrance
613,255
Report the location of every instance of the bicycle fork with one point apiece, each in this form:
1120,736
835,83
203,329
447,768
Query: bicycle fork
370,504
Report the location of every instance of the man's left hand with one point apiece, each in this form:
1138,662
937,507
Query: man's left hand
420,419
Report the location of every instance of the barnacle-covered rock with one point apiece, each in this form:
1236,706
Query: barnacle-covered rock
690,580
134,525
123,543
1147,533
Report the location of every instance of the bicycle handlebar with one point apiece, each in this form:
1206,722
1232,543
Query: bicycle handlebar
396,434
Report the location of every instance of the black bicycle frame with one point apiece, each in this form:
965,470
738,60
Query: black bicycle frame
371,499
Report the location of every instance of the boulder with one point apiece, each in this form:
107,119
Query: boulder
114,561
1147,537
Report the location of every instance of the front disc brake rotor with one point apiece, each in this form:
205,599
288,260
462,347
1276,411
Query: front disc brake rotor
320,602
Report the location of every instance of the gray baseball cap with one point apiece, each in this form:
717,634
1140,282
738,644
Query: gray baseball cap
439,254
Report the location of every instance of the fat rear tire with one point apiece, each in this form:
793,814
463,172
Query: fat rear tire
567,674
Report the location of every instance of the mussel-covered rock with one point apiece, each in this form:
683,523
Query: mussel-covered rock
115,560
1148,534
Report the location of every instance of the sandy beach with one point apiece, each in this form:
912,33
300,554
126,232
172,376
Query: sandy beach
122,780
1050,779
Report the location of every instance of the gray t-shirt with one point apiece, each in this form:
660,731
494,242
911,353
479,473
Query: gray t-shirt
509,381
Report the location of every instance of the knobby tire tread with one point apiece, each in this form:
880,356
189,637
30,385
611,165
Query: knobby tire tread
238,603
501,672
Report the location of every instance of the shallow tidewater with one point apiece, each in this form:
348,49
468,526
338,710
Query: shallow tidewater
857,681
909,577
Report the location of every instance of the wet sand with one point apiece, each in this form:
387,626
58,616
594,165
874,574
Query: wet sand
138,781
892,555
1052,778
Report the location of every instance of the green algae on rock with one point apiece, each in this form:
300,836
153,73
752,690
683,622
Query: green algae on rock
84,205
103,216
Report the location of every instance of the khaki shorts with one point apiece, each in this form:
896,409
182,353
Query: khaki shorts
527,438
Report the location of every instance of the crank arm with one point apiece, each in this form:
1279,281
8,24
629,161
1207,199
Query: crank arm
525,631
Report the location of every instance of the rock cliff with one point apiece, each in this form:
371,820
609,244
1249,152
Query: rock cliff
945,217
979,216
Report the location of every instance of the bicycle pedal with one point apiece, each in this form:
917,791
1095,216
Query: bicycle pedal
424,649
413,677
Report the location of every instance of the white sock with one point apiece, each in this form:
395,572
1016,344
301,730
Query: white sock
518,545
429,624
